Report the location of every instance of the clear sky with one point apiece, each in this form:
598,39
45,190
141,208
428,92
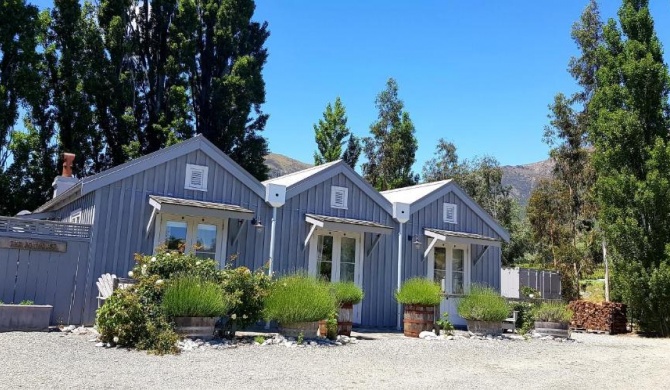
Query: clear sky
478,73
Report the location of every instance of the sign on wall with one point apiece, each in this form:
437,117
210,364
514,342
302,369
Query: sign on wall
33,245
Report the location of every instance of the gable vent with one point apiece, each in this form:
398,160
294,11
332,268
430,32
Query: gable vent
196,177
338,197
450,213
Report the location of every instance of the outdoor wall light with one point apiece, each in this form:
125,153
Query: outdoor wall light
416,242
257,224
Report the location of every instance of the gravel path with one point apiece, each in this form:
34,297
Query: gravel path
56,360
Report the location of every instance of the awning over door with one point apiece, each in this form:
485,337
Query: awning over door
457,238
198,208
347,224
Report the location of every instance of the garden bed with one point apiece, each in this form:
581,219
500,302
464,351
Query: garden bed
25,318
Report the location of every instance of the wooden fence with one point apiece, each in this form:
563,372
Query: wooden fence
46,262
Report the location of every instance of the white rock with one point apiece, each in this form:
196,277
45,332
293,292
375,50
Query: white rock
100,344
427,334
450,337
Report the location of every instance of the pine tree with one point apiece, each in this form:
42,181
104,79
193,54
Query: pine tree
330,134
629,130
391,148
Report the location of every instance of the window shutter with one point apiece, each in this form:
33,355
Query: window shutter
338,197
196,177
450,213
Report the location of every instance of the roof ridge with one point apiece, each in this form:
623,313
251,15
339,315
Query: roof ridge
432,183
302,171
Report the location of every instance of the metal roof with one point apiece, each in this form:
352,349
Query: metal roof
348,224
297,177
413,193
198,208
463,237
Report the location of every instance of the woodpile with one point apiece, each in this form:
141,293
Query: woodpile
607,317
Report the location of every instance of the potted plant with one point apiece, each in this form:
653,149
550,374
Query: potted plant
297,303
347,294
194,304
484,310
25,317
553,319
420,296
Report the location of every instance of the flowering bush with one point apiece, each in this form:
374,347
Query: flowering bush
168,264
246,292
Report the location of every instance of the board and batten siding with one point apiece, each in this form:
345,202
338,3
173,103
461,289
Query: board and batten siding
87,206
123,211
378,307
485,271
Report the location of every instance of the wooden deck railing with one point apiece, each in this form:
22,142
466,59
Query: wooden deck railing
44,228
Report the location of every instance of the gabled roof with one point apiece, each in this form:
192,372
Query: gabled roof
300,181
421,195
91,183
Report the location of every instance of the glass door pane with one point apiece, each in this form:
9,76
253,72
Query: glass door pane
347,259
175,235
440,268
205,241
457,270
324,257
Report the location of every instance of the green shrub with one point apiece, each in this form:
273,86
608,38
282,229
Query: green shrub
299,298
246,292
259,339
524,318
27,302
483,304
121,320
444,324
331,326
527,291
419,291
171,264
553,312
347,293
191,296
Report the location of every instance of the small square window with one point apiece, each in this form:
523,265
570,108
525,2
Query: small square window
75,216
450,213
338,197
196,177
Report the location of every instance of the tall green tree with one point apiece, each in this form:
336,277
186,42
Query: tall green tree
391,148
629,130
331,133
225,65
445,165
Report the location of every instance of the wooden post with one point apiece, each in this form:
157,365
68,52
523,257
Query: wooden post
607,273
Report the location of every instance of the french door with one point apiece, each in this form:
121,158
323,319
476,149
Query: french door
336,257
204,237
449,266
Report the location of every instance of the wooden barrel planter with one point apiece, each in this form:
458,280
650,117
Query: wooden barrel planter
418,319
555,329
308,329
200,327
345,318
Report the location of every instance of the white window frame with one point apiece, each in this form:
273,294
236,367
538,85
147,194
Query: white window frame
345,197
447,286
191,232
75,216
445,209
190,168
337,240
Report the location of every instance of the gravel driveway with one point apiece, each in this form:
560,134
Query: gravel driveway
56,360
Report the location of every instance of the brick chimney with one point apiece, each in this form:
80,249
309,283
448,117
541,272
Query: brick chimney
63,182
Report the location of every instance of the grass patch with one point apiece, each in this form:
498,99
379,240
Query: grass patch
190,296
299,298
347,293
483,304
419,291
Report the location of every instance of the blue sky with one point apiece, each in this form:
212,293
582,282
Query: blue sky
478,73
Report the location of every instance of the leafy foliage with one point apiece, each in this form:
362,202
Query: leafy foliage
27,302
483,304
189,296
444,324
419,291
166,264
331,326
246,292
330,134
391,148
525,319
347,293
121,319
299,298
553,312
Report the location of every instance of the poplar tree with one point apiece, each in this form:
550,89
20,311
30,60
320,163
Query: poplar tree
391,148
331,133
629,130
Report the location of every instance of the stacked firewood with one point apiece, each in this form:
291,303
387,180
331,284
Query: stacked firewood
607,317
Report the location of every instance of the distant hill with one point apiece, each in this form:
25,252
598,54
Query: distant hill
281,165
522,178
